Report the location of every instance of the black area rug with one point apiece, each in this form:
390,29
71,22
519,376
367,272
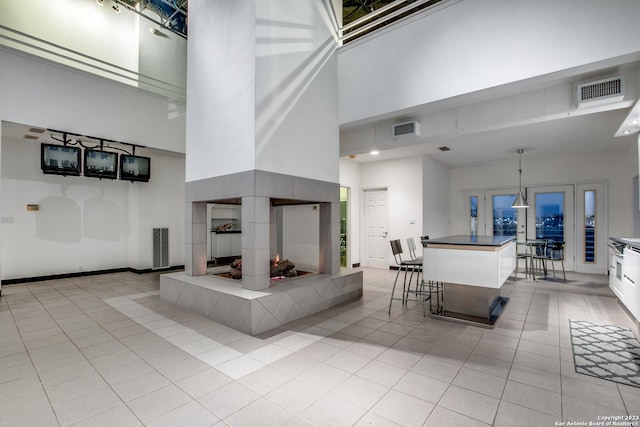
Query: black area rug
606,351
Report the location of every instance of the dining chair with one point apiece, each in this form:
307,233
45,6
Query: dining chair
539,257
555,252
523,252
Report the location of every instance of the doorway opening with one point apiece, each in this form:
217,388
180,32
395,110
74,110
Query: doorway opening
344,226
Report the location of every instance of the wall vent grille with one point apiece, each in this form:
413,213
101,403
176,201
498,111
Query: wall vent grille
406,129
160,248
611,89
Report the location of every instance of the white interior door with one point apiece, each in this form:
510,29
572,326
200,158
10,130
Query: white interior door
591,228
376,225
551,216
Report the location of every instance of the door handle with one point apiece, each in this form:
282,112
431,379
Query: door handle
384,234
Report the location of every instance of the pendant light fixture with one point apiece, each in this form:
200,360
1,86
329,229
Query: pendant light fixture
520,201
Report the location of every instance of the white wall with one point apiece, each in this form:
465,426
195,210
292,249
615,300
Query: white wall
297,88
350,177
84,35
162,60
81,26
436,193
39,93
1,233
419,191
158,203
56,97
272,105
221,88
81,224
403,179
618,166
471,46
84,224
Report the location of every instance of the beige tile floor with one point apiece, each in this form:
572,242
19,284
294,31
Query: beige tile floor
105,351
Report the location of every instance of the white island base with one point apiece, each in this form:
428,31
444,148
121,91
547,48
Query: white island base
473,270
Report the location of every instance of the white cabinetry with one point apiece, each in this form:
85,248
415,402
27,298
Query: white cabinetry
236,244
223,245
615,273
631,281
226,224
612,272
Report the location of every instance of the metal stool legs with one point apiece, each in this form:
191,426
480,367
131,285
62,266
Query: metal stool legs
437,289
406,286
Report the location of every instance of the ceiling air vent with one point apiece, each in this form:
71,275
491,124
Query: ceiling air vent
403,130
600,91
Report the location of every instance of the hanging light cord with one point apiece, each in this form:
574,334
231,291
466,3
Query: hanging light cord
520,168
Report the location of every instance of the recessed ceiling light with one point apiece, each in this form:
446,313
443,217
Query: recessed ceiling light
635,122
626,132
374,152
100,2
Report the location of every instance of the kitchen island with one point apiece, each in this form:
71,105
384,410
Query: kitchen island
473,270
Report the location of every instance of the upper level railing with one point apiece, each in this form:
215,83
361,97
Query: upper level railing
384,16
38,47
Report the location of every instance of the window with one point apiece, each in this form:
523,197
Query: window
505,218
473,214
550,216
590,226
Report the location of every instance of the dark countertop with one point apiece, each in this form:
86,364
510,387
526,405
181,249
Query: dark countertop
227,232
471,240
631,241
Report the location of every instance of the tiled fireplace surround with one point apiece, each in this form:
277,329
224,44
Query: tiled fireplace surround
254,306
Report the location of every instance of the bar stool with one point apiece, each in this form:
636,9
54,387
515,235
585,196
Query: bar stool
411,244
409,265
434,287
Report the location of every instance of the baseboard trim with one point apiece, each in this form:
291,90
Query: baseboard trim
87,273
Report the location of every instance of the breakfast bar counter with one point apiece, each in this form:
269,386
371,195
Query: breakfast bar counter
473,270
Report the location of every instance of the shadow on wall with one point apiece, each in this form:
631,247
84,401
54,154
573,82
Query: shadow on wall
101,220
58,220
62,220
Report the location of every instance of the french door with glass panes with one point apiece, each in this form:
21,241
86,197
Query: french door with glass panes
489,213
551,217
575,214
